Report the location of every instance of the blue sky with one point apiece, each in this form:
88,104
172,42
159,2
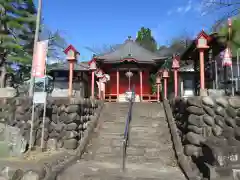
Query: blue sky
94,23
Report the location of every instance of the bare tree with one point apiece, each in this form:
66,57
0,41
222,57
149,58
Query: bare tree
57,43
102,49
228,8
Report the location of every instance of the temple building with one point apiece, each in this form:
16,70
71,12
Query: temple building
60,74
129,65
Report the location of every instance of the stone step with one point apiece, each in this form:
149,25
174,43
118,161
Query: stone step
107,170
111,135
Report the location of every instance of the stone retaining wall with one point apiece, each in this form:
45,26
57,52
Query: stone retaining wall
66,120
210,130
69,123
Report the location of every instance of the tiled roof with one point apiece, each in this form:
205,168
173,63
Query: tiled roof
65,66
131,49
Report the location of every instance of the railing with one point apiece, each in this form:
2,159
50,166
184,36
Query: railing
126,130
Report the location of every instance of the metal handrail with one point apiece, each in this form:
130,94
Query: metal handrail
126,130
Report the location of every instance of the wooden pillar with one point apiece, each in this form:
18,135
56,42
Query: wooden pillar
202,73
93,75
175,82
70,82
117,84
141,88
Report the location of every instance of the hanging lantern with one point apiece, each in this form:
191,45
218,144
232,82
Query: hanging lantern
158,80
129,74
99,73
227,58
165,74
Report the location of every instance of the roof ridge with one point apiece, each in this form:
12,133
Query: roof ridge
119,47
153,53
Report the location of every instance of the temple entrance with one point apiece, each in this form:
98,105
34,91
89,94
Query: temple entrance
128,79
130,56
125,84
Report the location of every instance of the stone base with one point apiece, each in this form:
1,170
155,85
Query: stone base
203,92
8,92
123,98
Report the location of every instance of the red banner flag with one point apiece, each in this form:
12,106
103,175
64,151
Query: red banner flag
39,59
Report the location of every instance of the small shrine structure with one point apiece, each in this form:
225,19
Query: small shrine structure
127,66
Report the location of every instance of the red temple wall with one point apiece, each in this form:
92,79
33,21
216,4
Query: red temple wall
111,86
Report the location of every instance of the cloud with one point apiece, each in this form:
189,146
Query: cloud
182,9
179,9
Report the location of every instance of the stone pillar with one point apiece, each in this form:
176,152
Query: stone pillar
141,88
158,82
165,88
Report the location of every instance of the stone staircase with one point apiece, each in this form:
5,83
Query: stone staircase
150,155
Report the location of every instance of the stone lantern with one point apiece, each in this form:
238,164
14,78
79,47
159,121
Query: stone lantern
72,55
158,82
92,67
102,83
165,76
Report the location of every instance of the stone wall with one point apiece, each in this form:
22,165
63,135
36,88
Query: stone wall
209,128
65,122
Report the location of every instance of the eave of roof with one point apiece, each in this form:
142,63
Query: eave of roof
65,67
133,49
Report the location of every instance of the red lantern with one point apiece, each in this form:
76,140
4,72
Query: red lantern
227,58
71,53
165,74
202,40
175,64
93,65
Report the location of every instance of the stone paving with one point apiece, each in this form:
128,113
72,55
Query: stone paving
150,154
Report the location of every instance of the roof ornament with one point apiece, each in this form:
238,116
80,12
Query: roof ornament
129,47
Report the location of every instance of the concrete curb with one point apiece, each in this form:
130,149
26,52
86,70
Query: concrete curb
183,160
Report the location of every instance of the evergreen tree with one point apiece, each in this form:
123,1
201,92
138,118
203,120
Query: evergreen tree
17,22
146,40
